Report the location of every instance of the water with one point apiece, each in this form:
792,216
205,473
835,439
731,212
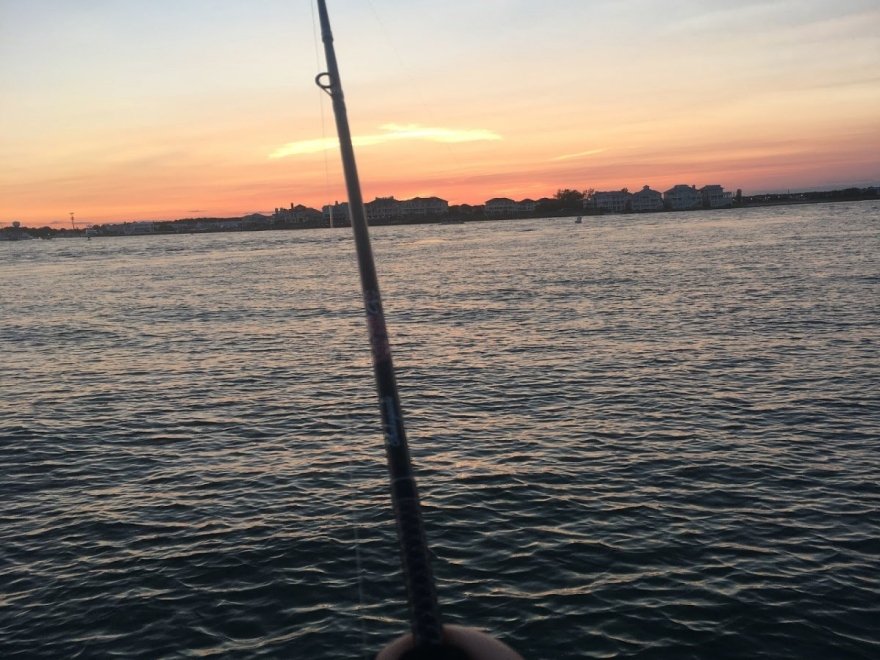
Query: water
640,437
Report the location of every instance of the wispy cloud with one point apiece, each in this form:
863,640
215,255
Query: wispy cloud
391,133
580,154
304,147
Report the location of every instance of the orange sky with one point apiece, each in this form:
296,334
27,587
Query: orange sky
162,110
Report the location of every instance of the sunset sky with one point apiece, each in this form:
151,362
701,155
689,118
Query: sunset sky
162,109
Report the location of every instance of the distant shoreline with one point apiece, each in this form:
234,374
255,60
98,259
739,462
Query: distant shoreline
257,222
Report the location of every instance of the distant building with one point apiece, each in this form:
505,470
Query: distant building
388,208
714,197
527,206
383,208
646,200
500,207
682,198
336,214
298,214
425,206
614,201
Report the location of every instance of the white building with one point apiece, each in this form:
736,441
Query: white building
682,198
614,201
647,200
423,206
527,206
500,207
383,208
714,197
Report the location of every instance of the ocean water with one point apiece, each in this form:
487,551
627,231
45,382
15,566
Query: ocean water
640,437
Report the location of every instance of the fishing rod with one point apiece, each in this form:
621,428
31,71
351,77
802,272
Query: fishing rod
425,620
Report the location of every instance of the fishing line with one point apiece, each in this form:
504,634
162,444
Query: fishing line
354,520
418,577
322,109
356,525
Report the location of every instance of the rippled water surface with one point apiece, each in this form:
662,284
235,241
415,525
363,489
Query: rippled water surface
640,437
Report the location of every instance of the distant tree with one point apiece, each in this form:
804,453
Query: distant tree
569,198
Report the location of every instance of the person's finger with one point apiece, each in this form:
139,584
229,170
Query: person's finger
475,643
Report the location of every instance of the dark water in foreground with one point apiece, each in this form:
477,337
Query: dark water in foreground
640,437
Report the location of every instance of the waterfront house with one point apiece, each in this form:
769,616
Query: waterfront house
613,201
383,208
425,206
336,214
714,197
500,207
297,214
527,206
682,198
646,200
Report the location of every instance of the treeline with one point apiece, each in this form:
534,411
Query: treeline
843,195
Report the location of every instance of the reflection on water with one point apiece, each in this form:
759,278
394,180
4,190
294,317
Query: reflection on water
642,436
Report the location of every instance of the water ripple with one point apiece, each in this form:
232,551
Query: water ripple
649,437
